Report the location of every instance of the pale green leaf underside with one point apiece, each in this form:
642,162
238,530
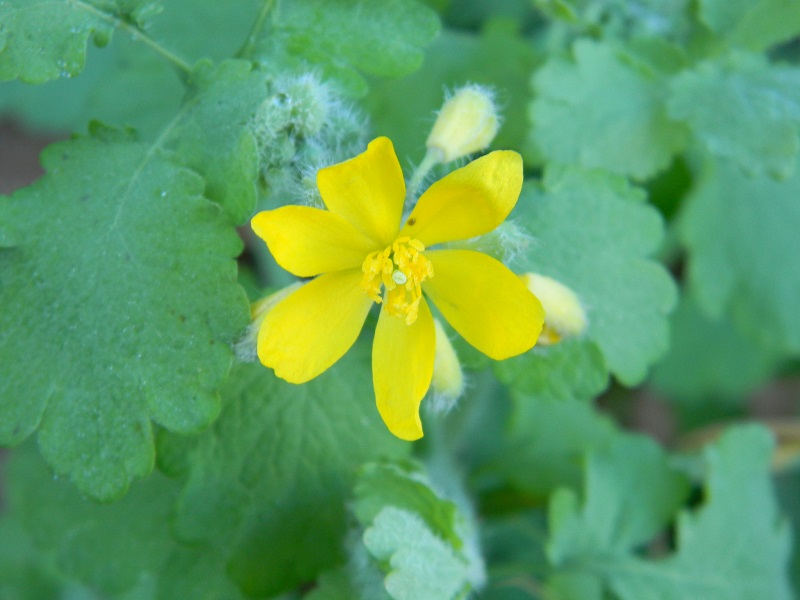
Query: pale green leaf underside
276,468
346,37
120,303
403,487
41,40
601,111
420,564
741,233
742,109
594,234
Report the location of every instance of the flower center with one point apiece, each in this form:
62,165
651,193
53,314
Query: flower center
401,269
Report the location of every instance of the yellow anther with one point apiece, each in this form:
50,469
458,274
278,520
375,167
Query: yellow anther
401,269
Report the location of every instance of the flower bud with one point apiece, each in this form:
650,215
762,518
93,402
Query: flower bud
448,380
467,122
563,313
245,348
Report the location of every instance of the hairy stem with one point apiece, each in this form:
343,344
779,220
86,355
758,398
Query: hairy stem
258,25
137,35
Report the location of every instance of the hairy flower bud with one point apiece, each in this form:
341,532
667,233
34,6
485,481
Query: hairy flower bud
563,313
467,122
245,348
448,380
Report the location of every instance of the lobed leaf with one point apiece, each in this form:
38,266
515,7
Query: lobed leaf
593,234
603,110
735,547
420,565
212,133
752,24
346,37
121,303
740,231
710,365
573,369
742,109
106,547
544,442
42,40
630,494
270,479
419,540
403,487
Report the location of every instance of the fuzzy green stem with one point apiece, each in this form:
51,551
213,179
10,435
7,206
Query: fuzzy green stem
137,34
432,158
249,46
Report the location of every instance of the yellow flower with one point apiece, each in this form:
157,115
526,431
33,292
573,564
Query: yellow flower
360,252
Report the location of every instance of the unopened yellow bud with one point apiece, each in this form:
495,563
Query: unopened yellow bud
467,122
245,348
563,313
448,380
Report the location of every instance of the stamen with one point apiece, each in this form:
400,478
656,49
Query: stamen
401,268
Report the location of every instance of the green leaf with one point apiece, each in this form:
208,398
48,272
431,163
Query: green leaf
735,547
125,84
379,485
571,369
106,547
593,234
129,84
346,37
603,110
336,584
24,573
203,29
630,494
545,441
753,24
121,303
413,531
710,365
419,564
627,20
740,232
499,57
213,133
755,120
42,40
273,473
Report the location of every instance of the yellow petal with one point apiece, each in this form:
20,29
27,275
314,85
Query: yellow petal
313,327
468,202
485,302
367,190
402,367
308,241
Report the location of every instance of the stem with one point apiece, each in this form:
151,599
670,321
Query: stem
258,25
137,34
432,158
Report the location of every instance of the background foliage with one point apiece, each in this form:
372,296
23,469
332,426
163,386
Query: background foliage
662,183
